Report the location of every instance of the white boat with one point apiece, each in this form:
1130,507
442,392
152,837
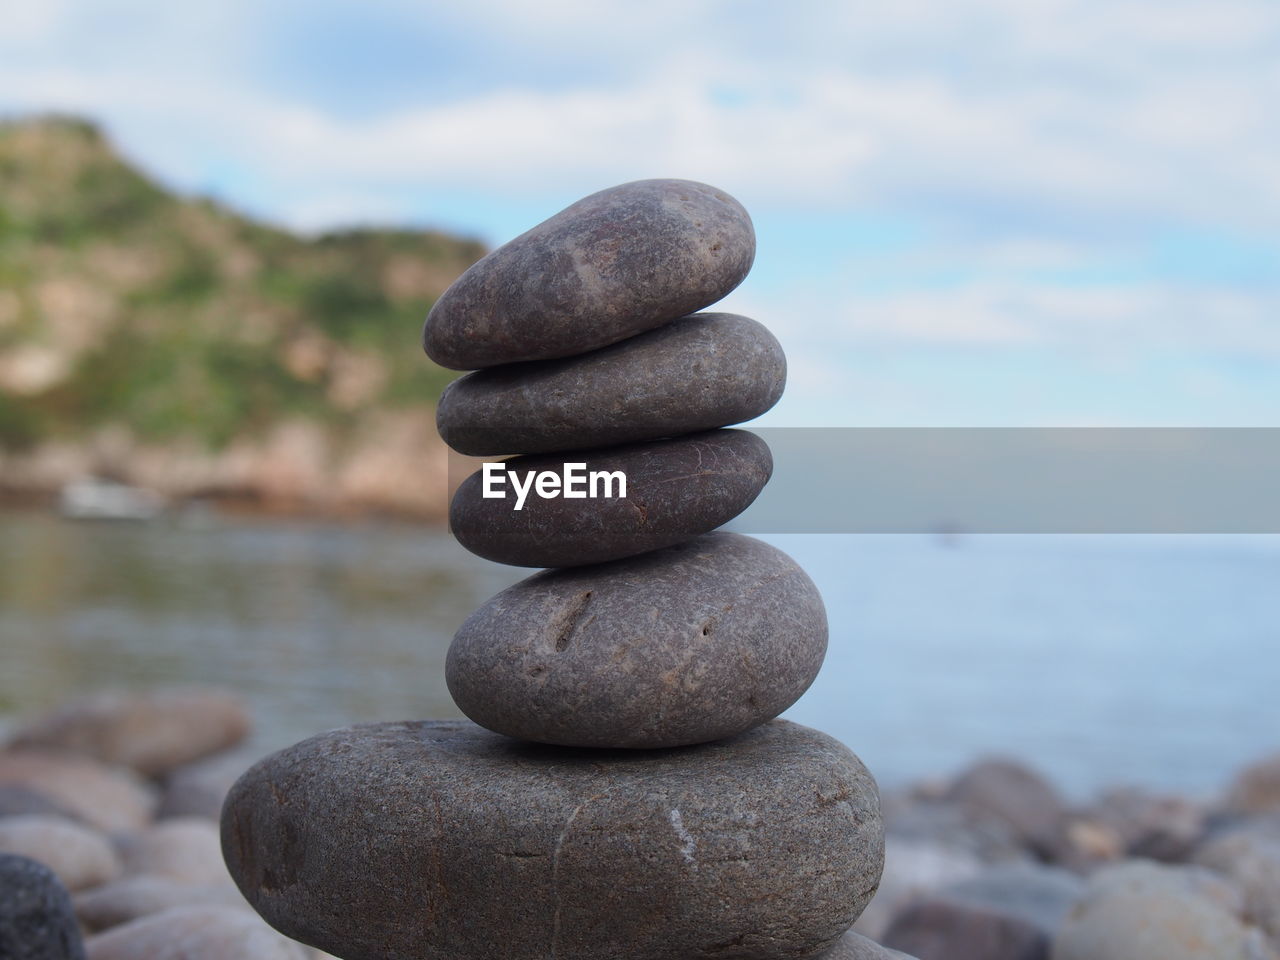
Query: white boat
96,499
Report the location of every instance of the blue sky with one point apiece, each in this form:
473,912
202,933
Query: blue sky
970,212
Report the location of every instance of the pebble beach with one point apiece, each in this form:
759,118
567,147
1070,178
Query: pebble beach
109,807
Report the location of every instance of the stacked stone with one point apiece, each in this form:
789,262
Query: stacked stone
625,791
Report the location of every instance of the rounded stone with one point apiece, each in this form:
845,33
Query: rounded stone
612,265
1251,860
1144,877
194,933
108,798
703,371
152,732
1012,793
128,898
692,643
1156,926
182,849
36,922
675,490
81,857
17,800
440,840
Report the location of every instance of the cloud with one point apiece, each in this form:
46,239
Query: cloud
1044,113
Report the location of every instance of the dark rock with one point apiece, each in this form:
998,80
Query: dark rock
194,933
439,840
675,490
36,922
684,645
704,371
107,798
1011,793
152,732
612,265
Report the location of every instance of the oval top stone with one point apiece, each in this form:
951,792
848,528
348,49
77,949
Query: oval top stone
675,490
703,371
696,642
612,265
440,840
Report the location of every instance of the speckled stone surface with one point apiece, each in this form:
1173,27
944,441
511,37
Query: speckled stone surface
612,265
36,920
703,371
676,489
692,643
442,841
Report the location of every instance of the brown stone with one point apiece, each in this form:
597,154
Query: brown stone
81,857
151,733
107,798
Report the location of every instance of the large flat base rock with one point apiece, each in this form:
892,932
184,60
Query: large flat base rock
443,841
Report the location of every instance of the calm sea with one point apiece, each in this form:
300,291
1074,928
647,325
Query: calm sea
1145,660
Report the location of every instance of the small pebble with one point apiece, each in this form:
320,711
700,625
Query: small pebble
151,732
129,898
1156,926
185,850
194,933
80,856
108,798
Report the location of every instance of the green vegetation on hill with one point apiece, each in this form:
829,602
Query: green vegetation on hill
121,303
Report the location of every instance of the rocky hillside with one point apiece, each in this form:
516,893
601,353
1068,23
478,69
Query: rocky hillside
172,342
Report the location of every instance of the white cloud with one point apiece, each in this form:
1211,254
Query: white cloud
1098,321
1089,111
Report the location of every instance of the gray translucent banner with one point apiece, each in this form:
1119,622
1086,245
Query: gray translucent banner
995,480
984,480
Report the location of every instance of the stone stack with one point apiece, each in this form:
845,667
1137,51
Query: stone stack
625,791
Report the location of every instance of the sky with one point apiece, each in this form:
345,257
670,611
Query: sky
969,212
